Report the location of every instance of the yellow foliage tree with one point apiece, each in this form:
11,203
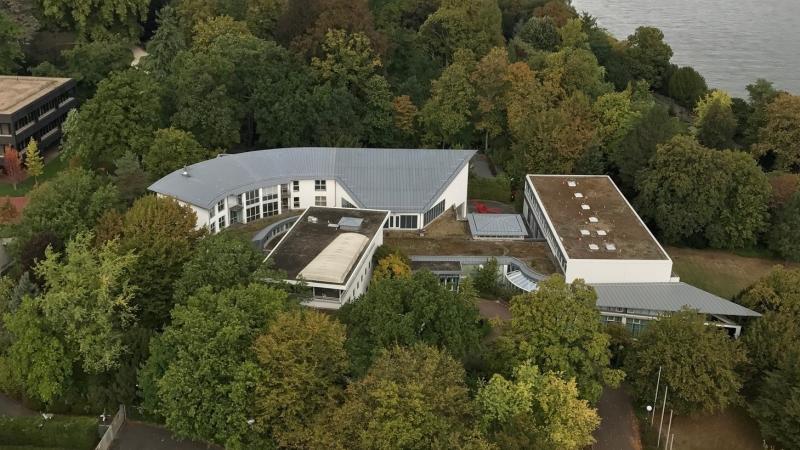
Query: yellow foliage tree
34,161
392,266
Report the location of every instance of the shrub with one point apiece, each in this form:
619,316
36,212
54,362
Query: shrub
78,433
497,189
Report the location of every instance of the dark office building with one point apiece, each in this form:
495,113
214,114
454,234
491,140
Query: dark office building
33,107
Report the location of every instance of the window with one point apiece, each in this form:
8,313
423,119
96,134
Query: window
270,193
320,201
408,222
251,197
220,206
296,202
346,204
270,209
434,212
635,326
213,227
5,129
221,223
253,213
295,186
320,185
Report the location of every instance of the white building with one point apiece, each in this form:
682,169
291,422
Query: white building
592,230
330,250
415,185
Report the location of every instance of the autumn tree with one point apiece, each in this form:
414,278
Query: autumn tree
121,117
535,410
691,192
172,149
76,326
561,12
699,363
408,310
474,25
391,266
12,164
574,346
33,161
202,371
302,364
405,115
780,134
8,212
410,398
715,121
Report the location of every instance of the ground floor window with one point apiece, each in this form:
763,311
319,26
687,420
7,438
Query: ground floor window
221,222
346,204
253,213
434,212
635,326
408,222
270,209
320,201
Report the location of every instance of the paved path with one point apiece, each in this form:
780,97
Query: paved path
618,429
11,407
143,436
480,166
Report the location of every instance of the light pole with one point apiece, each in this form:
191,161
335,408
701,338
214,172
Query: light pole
655,400
661,423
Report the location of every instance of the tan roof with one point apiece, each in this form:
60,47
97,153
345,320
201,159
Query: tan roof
593,220
335,261
17,92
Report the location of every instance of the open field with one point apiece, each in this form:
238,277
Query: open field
448,236
732,429
722,273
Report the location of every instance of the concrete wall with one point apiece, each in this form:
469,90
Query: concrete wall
619,271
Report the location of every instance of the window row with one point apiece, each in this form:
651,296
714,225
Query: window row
433,213
405,221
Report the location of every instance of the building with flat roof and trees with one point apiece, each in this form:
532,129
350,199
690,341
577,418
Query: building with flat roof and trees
33,108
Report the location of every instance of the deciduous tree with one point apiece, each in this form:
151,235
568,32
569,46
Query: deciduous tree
776,407
129,177
783,232
715,121
647,56
446,116
540,33
474,25
12,164
780,134
10,45
699,363
391,266
572,345
536,410
686,86
98,18
33,161
404,311
172,149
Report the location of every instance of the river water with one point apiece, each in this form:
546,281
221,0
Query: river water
730,42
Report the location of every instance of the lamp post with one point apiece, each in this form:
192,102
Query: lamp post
655,399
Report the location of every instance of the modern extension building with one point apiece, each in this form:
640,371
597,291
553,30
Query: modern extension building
330,250
592,230
416,186
33,108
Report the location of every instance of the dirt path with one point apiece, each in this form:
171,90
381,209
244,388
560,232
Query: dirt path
11,407
618,429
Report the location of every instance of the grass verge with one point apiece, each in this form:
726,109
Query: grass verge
75,433
51,169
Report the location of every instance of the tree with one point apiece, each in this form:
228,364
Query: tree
490,79
410,398
540,33
648,55
10,44
535,410
77,325
168,40
404,311
202,371
783,232
474,25
172,149
780,134
129,177
8,212
220,261
686,86
572,345
303,362
698,363
776,406
446,116
576,70
391,266
715,121
760,94
691,192
405,115
12,163
32,251
33,161
67,204
162,233
561,12
120,118
97,18
486,278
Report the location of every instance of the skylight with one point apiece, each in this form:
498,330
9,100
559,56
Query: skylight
593,247
571,183
610,247
578,195
601,232
593,219
585,207
585,233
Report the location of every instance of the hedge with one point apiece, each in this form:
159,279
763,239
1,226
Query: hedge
73,433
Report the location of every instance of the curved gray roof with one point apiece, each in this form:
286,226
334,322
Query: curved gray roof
401,180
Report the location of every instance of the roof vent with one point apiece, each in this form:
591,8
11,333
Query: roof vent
593,247
312,219
610,247
185,171
350,223
593,219
571,183
578,195
585,233
601,232
585,207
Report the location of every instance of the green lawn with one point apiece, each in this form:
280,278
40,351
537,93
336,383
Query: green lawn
50,170
718,272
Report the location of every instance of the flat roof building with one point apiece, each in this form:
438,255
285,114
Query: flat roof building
592,230
331,250
33,108
416,185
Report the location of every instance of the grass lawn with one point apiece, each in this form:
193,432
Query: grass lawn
50,170
722,273
732,429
